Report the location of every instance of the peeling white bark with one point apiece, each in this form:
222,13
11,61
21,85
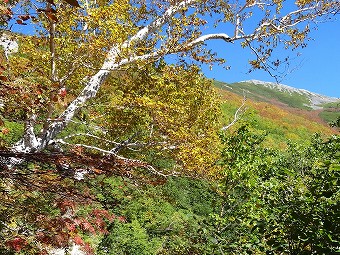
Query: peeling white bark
10,46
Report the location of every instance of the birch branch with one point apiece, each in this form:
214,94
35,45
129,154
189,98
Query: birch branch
61,141
237,115
207,37
127,160
30,140
90,135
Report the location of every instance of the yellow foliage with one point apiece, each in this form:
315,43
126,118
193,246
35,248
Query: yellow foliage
176,109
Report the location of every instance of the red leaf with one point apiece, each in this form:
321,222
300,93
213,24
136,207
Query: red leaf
88,249
51,16
73,3
3,78
42,237
101,213
60,239
8,12
24,17
121,218
65,205
100,224
71,227
5,131
77,221
51,10
20,22
77,240
62,92
86,226
17,243
55,99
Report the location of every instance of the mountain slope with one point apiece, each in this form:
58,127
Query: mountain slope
272,111
299,101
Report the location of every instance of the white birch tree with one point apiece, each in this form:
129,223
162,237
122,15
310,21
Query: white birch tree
72,54
139,32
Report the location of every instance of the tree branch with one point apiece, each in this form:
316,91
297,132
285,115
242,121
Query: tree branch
237,115
207,37
52,25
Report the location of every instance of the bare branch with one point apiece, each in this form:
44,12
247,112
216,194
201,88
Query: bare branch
266,66
61,141
89,135
237,115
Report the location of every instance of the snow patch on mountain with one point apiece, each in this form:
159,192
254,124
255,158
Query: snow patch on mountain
315,99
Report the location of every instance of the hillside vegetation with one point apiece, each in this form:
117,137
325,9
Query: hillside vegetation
267,94
281,124
295,111
331,111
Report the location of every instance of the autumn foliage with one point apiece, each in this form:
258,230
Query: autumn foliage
95,112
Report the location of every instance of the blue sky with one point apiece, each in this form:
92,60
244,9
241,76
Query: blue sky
317,68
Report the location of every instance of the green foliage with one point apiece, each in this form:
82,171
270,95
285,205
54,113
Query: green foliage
265,202
335,123
262,93
331,105
329,116
10,133
131,238
166,219
279,203
305,207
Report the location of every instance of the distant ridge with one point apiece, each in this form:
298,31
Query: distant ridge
326,108
315,99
